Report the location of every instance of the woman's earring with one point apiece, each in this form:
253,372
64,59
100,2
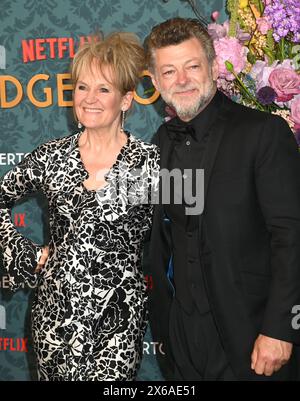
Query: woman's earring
123,119
79,125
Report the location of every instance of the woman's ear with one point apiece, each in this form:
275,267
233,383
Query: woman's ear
127,100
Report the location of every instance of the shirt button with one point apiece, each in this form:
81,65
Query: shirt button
188,143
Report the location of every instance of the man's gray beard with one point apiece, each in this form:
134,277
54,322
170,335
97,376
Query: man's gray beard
187,113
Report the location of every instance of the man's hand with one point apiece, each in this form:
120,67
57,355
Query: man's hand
269,355
43,259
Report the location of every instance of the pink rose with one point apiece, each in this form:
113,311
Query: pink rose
285,82
230,49
263,25
295,111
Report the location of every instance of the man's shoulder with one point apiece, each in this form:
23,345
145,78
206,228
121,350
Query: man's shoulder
252,124
247,114
161,134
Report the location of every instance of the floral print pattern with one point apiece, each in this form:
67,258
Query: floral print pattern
89,314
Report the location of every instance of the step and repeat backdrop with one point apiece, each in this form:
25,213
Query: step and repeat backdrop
38,39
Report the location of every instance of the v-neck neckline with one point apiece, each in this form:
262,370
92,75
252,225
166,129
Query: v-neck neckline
111,169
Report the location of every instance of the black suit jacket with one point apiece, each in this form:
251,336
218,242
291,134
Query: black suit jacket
250,235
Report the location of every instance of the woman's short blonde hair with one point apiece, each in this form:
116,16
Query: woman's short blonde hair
121,52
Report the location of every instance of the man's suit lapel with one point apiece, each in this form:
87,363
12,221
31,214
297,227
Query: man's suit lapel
165,152
216,133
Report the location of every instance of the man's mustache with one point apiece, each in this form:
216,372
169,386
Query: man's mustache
182,89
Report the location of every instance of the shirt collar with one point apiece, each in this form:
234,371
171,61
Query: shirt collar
198,126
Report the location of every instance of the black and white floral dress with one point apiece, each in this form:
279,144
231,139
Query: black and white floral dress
89,315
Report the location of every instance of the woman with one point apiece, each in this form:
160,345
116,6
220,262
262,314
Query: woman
89,314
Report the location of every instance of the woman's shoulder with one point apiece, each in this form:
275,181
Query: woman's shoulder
59,145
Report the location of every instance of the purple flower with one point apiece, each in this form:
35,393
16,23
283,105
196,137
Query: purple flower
260,72
218,31
266,95
284,17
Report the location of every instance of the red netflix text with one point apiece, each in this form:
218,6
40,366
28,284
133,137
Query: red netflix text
19,220
13,344
45,48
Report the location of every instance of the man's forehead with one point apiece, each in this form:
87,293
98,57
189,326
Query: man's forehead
192,45
184,52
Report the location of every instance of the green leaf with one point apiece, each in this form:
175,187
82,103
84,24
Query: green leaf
270,40
232,7
270,54
258,4
251,57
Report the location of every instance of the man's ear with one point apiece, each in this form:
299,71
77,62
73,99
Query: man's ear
127,100
154,81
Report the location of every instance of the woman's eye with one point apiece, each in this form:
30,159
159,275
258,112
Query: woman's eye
104,90
81,87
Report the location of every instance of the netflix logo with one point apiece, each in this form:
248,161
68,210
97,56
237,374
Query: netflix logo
13,344
45,48
19,220
149,282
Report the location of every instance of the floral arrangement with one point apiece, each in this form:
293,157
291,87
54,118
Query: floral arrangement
258,52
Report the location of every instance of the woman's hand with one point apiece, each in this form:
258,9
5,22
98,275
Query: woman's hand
43,259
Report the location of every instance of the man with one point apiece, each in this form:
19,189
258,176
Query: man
224,281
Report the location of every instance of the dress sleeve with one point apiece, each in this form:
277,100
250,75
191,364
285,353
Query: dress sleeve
153,169
20,255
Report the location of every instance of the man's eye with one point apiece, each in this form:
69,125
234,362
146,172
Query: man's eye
169,72
194,67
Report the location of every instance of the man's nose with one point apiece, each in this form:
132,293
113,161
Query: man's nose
182,77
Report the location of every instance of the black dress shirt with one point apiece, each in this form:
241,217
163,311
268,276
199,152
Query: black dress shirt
189,142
